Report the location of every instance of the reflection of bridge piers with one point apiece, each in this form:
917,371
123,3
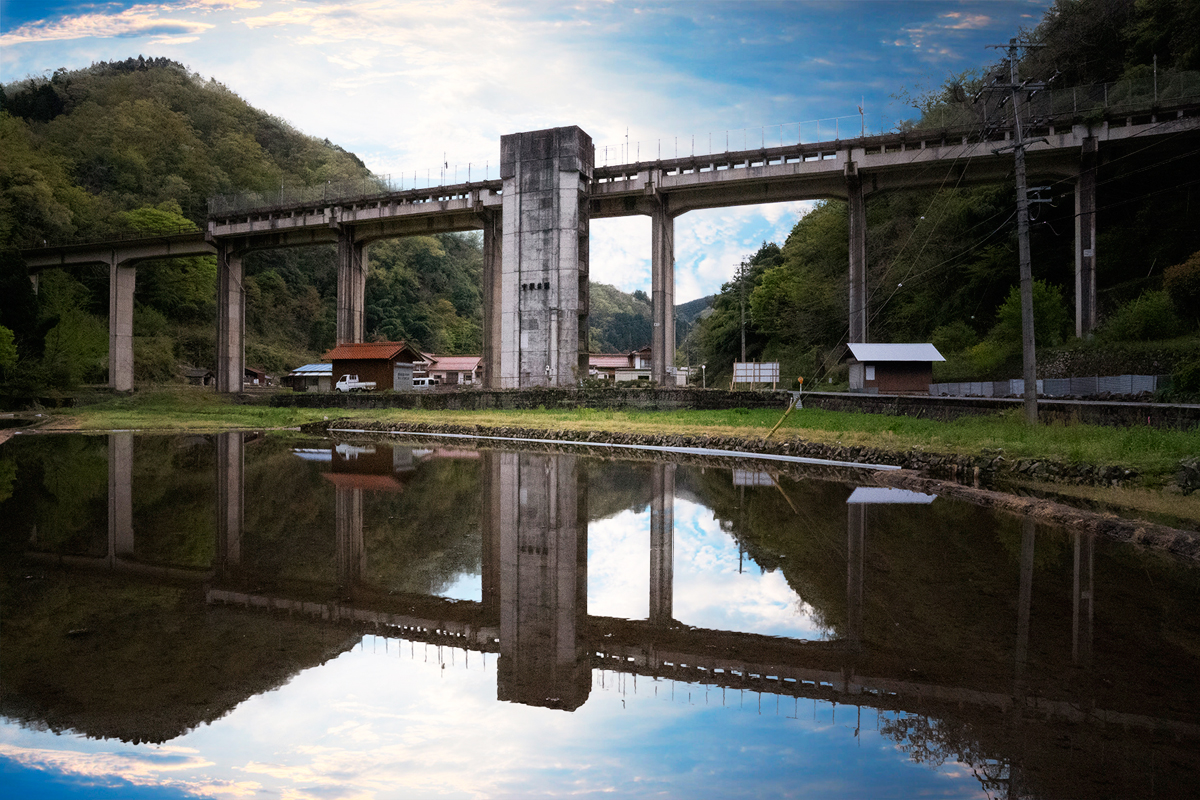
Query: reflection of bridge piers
662,543
231,480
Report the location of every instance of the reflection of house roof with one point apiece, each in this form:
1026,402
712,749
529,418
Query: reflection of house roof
379,483
463,454
313,370
454,363
895,352
608,360
368,350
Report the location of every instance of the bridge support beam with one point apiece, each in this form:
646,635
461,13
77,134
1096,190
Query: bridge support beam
493,241
662,544
544,275
351,552
231,321
351,287
230,499
662,292
857,213
1085,241
120,496
121,279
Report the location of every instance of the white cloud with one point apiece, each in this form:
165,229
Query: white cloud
139,768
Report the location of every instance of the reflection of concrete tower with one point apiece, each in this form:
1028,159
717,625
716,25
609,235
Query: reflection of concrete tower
662,550
539,504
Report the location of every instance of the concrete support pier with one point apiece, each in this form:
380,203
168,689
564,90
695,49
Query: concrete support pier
121,279
351,287
1085,241
857,213
231,321
662,544
662,290
493,241
230,499
120,496
544,660
348,521
544,275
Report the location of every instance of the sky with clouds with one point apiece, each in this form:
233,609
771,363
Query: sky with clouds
406,84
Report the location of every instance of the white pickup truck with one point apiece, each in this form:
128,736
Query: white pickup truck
351,383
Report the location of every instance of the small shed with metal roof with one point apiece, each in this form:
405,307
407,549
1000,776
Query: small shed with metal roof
310,378
388,364
892,368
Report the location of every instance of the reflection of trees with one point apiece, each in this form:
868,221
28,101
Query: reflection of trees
616,486
421,539
59,495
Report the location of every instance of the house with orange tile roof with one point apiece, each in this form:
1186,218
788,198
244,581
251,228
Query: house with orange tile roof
388,364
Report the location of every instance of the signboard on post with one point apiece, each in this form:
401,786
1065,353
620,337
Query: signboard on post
754,372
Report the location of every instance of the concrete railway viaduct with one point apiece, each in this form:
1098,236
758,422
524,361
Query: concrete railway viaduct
535,223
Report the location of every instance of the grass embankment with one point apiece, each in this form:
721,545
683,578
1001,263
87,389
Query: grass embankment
1152,452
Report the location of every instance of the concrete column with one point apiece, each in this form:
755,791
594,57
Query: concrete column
543,596
491,519
120,496
662,543
121,280
231,321
544,272
1083,598
351,287
1085,241
493,241
662,290
857,213
230,499
351,553
856,537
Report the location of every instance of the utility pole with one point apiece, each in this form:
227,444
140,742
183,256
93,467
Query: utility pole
1028,349
742,280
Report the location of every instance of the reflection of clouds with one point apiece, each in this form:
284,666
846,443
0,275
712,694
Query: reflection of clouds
140,768
711,593
617,546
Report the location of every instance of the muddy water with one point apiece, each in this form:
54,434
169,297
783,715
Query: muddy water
245,615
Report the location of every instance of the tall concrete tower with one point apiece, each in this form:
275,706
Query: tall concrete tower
544,263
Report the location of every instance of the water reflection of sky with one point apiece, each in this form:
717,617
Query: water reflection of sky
387,720
715,585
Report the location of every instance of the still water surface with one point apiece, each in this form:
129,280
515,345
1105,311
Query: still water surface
245,616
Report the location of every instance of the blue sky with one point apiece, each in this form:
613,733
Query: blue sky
405,84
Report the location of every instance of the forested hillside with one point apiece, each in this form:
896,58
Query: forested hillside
140,145
943,265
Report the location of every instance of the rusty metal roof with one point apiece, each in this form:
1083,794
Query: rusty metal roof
369,351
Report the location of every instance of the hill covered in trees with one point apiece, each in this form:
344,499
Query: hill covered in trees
943,265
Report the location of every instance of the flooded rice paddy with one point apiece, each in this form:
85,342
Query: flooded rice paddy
246,615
